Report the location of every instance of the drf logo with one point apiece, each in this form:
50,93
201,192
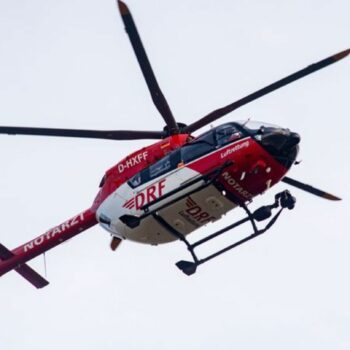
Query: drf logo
195,214
148,195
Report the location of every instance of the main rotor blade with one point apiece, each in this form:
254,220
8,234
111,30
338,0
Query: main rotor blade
310,189
209,118
157,95
92,134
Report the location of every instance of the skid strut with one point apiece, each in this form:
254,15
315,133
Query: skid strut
282,200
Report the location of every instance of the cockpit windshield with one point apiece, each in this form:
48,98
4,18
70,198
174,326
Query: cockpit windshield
256,125
227,133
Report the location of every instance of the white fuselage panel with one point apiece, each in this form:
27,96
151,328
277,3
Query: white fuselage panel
184,213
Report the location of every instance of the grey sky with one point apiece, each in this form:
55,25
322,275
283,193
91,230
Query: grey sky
70,64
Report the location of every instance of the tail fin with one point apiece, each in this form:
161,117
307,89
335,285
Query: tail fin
24,270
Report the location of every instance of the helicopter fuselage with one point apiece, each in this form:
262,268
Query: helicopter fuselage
190,185
171,188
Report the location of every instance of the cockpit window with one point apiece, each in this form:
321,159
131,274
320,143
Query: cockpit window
195,150
257,125
227,133
207,137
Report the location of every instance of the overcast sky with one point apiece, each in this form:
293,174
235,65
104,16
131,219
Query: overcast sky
70,64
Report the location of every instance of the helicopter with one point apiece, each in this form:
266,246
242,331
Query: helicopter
169,189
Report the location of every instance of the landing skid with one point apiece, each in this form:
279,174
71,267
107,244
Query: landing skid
282,200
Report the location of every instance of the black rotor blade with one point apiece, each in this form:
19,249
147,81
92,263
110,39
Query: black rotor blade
157,95
310,189
92,134
209,118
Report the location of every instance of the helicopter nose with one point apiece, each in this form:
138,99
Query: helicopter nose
282,144
279,139
293,139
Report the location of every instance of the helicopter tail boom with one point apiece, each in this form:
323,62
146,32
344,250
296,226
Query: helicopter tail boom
17,258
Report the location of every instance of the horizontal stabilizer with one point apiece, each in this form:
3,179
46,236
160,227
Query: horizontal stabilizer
32,276
24,270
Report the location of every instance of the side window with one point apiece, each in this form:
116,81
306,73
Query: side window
195,150
207,137
135,180
160,167
226,133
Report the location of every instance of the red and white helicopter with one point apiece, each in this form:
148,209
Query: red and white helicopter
167,190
